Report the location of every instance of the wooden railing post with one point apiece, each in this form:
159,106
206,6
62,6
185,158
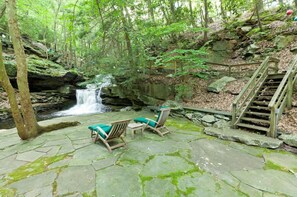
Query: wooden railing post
229,70
273,122
290,91
234,108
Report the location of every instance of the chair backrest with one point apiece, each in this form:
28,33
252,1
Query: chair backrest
163,116
118,128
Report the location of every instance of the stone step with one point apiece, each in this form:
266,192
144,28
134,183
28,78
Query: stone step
257,113
275,76
244,137
268,87
266,93
262,103
255,120
262,97
254,127
259,107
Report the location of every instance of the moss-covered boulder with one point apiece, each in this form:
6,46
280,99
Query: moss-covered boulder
281,42
44,74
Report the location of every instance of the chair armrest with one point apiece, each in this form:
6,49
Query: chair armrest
101,131
152,120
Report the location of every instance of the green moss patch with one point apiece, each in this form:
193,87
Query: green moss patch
30,169
273,166
6,192
184,125
90,194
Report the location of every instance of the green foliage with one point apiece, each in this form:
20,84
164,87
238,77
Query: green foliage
183,92
188,61
119,36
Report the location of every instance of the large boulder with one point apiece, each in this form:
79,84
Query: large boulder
289,139
44,74
281,42
223,45
219,85
141,92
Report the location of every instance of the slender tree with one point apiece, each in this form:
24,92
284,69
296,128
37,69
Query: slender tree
205,19
258,7
24,116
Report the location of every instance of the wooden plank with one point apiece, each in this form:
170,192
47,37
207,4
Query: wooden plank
257,72
255,120
259,107
257,113
254,127
290,91
209,111
265,103
272,129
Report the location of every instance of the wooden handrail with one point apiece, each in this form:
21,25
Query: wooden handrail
281,88
282,97
264,64
239,104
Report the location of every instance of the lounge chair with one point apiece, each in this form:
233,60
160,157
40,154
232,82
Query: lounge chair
107,133
157,125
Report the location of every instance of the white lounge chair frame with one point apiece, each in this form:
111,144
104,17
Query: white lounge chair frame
118,128
160,124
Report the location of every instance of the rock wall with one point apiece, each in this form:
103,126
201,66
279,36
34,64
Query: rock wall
52,86
141,92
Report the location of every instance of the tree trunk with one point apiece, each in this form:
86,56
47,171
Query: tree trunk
172,9
127,38
24,118
16,114
223,13
151,10
22,75
193,22
103,26
205,19
55,24
257,8
165,14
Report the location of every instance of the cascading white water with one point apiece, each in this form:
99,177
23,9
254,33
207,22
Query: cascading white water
88,100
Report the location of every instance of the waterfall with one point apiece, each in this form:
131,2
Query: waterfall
88,100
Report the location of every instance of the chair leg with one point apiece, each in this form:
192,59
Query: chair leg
95,139
107,145
157,131
123,140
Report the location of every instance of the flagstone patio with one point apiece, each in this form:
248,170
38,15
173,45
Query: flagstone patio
185,162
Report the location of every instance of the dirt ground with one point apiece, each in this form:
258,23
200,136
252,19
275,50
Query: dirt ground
223,101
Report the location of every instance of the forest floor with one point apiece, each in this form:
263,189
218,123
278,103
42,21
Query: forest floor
223,101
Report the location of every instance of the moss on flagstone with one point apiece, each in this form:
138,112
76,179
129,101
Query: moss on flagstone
38,166
6,192
91,194
272,166
184,125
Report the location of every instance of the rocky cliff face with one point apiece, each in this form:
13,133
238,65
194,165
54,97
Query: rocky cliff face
52,86
141,92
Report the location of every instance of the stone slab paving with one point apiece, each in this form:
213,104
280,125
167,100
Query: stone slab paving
185,162
243,137
41,183
29,156
9,164
286,161
79,179
272,181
